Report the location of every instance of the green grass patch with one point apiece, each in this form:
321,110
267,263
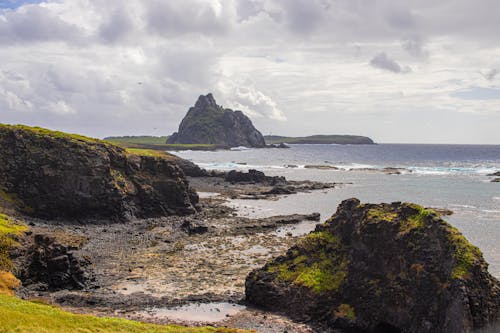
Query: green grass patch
23,316
416,221
379,213
321,267
9,228
53,134
147,152
318,139
142,139
464,252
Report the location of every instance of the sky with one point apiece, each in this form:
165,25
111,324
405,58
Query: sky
415,71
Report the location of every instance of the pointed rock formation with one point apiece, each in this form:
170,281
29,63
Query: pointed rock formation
209,123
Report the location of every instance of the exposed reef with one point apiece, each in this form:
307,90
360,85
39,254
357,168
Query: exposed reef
381,268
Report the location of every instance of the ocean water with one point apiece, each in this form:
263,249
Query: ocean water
445,176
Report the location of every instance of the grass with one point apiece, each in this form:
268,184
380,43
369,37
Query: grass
23,316
464,252
147,152
53,134
165,146
321,269
142,139
381,214
9,228
319,139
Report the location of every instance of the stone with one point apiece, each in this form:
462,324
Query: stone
381,268
209,123
59,175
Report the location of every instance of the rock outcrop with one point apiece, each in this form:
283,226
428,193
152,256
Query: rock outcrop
57,175
381,268
50,264
209,123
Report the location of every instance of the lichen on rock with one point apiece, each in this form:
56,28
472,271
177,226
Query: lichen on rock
372,267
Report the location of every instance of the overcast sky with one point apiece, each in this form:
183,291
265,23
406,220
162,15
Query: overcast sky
422,71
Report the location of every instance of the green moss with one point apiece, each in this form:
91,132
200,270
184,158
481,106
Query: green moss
416,221
379,213
465,254
9,228
54,134
147,152
23,316
143,139
321,267
345,311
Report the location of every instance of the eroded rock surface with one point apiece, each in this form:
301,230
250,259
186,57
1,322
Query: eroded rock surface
58,175
381,268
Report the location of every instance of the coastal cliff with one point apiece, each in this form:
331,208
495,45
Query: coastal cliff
58,175
381,268
208,123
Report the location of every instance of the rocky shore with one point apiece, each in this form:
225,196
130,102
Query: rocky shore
138,234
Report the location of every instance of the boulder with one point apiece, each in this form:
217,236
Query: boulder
52,265
254,177
59,175
209,123
381,268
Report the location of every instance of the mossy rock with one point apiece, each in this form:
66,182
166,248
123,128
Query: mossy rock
372,267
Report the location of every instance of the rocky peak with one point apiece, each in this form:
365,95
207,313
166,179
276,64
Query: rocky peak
208,123
205,102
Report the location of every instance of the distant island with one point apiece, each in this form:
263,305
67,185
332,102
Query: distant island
208,126
320,139
209,123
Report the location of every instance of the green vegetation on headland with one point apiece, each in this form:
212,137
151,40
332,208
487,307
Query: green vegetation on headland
24,316
320,139
140,139
157,143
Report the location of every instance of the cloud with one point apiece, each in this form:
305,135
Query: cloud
105,67
382,61
477,93
245,97
34,23
415,47
491,74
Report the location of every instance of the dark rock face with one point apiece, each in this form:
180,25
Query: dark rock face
58,175
51,265
252,176
209,123
381,268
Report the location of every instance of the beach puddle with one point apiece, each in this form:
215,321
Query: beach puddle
296,230
199,312
203,195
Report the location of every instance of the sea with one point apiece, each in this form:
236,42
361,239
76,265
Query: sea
454,177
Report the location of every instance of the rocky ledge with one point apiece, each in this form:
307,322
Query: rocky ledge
58,175
381,268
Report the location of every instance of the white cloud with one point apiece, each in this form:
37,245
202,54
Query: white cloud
296,67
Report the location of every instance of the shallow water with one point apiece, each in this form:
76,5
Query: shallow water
197,312
445,176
